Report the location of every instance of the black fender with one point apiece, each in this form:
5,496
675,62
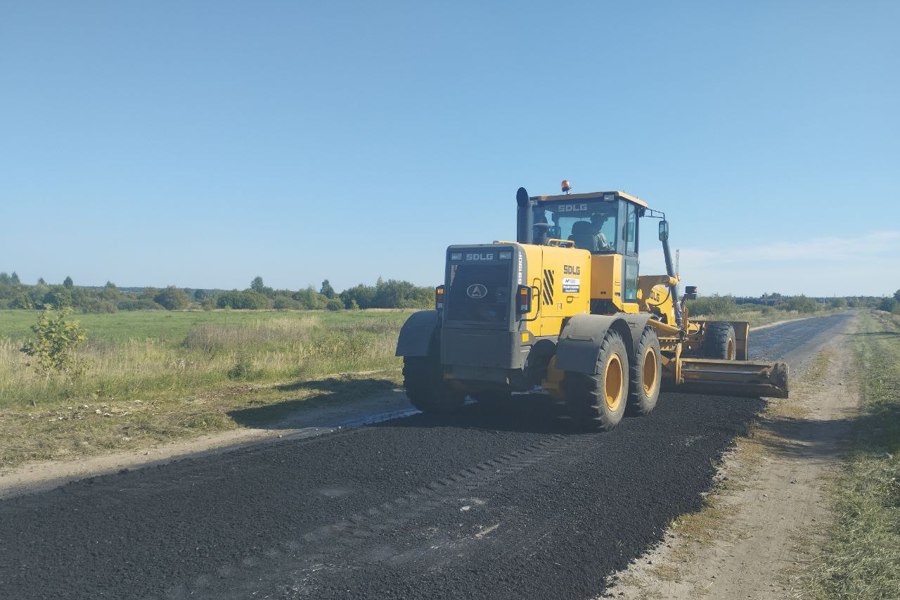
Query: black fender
417,333
581,337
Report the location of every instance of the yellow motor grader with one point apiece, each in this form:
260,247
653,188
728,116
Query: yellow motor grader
564,310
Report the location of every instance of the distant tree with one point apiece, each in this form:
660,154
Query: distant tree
259,287
4,278
334,304
361,295
310,299
41,281
837,303
21,300
14,278
801,304
897,295
110,285
246,300
887,304
200,295
284,302
712,305
58,297
327,290
401,294
68,283
172,298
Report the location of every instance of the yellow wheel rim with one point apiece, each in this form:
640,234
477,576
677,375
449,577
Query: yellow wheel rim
615,378
730,351
648,373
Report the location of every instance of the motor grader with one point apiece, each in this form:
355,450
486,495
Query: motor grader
564,310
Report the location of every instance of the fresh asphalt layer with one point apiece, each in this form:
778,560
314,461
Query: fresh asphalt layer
475,506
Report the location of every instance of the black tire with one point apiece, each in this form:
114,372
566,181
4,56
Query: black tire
598,400
425,387
719,341
646,375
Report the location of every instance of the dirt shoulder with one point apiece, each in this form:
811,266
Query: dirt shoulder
304,422
761,523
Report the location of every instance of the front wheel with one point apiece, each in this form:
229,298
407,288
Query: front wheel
426,388
646,374
599,399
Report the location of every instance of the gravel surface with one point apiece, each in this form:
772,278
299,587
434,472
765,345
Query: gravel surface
477,506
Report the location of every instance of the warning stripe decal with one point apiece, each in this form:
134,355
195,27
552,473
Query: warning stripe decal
548,286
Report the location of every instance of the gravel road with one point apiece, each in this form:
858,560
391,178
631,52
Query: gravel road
474,506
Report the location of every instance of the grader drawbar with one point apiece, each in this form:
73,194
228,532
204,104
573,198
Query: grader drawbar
563,309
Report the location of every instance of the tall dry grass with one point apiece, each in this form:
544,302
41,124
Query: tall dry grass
210,354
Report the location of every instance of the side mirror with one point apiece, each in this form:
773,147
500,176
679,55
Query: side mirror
663,230
690,292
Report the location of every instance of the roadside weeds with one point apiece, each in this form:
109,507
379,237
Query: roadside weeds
860,558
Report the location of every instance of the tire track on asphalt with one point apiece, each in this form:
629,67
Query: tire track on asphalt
346,536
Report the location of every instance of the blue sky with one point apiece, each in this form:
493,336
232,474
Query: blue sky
203,143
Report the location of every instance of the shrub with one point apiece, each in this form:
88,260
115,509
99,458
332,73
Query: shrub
334,304
801,304
712,305
53,348
138,304
246,300
285,303
172,298
242,369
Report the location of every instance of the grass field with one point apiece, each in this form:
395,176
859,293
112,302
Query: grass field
153,376
861,560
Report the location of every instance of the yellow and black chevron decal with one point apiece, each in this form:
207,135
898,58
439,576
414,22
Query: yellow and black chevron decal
548,286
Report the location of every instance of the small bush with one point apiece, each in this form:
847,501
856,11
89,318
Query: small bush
53,348
242,369
334,304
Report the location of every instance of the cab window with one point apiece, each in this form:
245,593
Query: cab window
589,225
631,229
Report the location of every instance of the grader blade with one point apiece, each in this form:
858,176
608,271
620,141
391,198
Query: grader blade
733,378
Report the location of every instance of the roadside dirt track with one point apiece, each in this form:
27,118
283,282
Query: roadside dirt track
476,506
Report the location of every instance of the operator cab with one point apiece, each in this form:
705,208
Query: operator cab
602,223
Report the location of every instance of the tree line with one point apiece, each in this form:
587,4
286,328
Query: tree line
802,304
384,294
391,293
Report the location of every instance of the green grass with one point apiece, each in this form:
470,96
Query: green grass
153,376
861,560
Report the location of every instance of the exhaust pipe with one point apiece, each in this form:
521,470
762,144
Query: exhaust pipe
524,217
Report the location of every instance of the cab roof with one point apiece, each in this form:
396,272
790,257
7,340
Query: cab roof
590,196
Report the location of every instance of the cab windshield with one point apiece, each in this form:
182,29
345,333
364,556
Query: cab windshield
590,225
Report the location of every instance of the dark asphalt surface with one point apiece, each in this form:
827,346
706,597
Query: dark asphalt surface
474,506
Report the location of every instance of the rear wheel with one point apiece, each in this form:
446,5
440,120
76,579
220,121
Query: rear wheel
719,341
599,400
425,386
646,375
